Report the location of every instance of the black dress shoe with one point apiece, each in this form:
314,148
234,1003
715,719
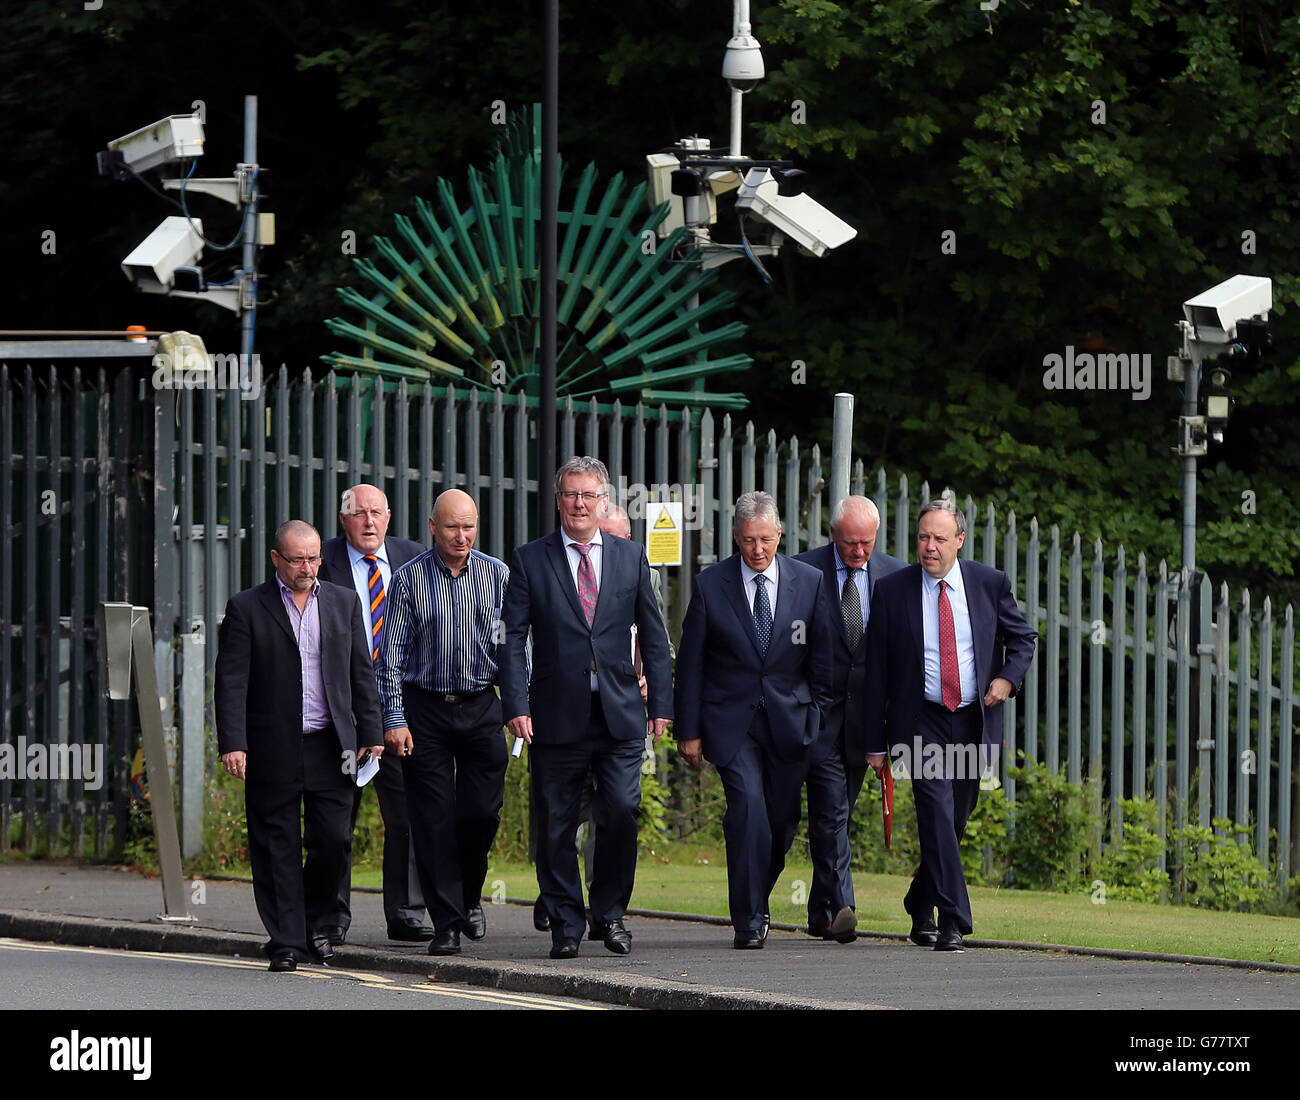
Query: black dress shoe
767,923
282,962
446,942
475,923
749,940
617,938
336,934
924,932
564,949
947,940
541,919
409,931
843,929
320,947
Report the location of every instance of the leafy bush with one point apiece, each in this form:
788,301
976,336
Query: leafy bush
1052,827
1225,875
985,850
1131,869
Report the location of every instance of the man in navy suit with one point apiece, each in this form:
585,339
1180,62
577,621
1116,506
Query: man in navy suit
364,558
581,593
946,647
753,682
851,565
296,704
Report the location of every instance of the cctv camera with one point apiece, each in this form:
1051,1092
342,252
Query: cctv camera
176,137
176,243
797,216
742,65
1215,313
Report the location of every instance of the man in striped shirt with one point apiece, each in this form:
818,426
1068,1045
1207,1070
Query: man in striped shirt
436,672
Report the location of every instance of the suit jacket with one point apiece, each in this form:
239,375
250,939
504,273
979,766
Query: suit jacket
722,677
895,685
337,569
541,595
844,720
258,691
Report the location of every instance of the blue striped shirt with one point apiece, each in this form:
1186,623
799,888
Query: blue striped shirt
440,632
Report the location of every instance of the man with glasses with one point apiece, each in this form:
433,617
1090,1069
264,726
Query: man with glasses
850,565
364,558
296,709
581,593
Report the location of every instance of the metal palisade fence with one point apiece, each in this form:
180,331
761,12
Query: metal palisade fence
1144,684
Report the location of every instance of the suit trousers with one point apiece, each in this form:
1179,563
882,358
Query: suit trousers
403,901
455,784
943,806
759,825
295,897
828,838
560,773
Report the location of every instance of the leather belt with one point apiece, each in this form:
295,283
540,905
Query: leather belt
456,699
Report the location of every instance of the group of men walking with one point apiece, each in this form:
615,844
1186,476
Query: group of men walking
790,671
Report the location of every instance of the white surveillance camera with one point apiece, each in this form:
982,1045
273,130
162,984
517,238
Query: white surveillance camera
799,217
742,65
153,262
176,137
1214,314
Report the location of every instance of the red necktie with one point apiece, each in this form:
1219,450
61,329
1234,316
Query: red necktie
949,675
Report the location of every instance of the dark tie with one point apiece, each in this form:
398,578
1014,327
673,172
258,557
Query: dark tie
376,585
949,675
762,612
851,608
587,590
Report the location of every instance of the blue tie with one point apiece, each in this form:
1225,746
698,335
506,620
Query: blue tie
762,613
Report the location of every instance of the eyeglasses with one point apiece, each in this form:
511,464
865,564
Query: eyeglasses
296,563
374,513
572,494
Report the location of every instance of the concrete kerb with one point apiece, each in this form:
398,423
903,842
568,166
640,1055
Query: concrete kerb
640,992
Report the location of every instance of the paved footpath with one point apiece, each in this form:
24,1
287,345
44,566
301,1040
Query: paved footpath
675,963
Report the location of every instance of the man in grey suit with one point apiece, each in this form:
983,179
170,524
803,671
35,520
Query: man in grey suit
364,559
851,565
581,593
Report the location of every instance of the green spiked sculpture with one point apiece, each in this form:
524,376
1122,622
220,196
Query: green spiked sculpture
456,298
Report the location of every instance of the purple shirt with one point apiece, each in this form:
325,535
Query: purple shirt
306,628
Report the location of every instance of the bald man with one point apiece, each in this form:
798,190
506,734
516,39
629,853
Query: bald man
363,558
437,672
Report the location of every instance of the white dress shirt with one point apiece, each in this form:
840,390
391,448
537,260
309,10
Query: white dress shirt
748,575
961,627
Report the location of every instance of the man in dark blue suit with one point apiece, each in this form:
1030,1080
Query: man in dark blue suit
364,559
946,647
753,682
581,593
851,565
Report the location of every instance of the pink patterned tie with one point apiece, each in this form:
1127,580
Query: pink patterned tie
949,673
587,590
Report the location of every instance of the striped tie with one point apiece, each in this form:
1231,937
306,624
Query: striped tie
377,603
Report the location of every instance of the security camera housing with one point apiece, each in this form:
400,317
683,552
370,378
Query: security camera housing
176,137
799,217
153,262
1215,313
742,65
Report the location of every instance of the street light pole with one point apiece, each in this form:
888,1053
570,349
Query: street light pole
546,457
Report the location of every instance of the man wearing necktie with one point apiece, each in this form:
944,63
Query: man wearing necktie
581,709
753,682
946,647
364,558
851,566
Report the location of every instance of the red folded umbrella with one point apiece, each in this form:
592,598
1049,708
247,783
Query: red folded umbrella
887,802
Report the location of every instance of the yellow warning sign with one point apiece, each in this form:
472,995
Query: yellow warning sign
663,537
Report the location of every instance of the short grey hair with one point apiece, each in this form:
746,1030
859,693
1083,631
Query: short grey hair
943,504
583,464
299,527
863,506
753,506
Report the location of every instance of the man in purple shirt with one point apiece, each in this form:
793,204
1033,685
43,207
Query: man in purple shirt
297,711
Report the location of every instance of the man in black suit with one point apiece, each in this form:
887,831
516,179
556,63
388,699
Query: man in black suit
851,565
364,559
753,682
946,647
296,710
581,592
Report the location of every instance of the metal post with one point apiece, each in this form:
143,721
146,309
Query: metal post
546,457
841,447
1191,395
193,751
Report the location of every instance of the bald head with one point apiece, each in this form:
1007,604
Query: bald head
364,517
454,526
615,522
854,523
